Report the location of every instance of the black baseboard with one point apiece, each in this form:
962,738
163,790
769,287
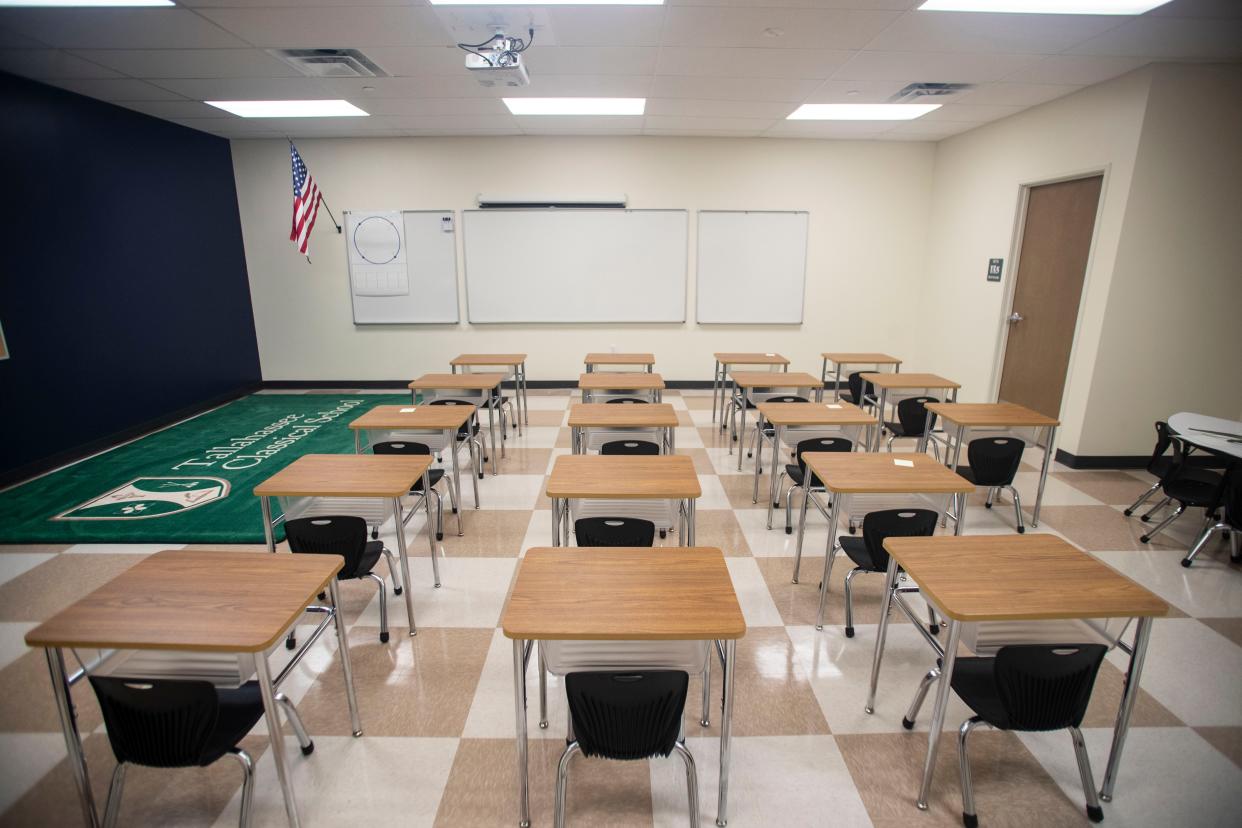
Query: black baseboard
62,458
1102,461
401,386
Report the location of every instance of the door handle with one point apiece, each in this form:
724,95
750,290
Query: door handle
1014,317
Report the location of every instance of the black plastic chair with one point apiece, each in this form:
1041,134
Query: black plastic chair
1030,687
994,463
796,471
768,430
469,433
614,531
627,716
1232,523
856,393
176,724
434,474
1188,487
1161,464
912,421
868,552
627,401
346,537
639,447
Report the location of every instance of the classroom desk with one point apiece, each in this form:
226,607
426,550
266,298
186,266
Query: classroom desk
621,416
370,476
840,360
488,383
515,361
647,383
792,415
747,381
1209,433
681,594
622,477
725,359
850,473
884,383
385,420
591,360
994,416
218,602
1015,578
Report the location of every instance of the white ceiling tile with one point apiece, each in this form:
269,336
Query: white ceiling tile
800,28
749,62
553,123
475,24
191,63
855,91
324,127
887,5
607,25
1018,94
973,114
158,28
696,108
735,89
1169,37
172,110
591,60
462,86
582,86
336,27
1075,69
594,133
443,133
42,64
448,123
930,130
1199,8
703,133
10,39
674,122
116,89
230,125
244,89
981,33
418,60
852,130
430,106
935,67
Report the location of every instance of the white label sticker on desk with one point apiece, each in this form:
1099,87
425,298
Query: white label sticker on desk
831,405
907,463
408,410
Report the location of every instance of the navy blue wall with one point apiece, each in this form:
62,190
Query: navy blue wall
123,289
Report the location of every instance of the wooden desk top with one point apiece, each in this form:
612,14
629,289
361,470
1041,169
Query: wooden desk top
488,359
465,382
813,414
623,594
732,358
621,415
236,602
1019,577
876,473
904,380
624,477
619,359
439,417
346,475
774,379
999,415
839,358
621,381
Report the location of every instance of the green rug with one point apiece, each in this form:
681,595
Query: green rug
191,483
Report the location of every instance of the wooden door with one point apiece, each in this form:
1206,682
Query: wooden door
1056,241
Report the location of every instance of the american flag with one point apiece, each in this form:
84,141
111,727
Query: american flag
306,198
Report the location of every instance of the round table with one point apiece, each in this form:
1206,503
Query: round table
1195,428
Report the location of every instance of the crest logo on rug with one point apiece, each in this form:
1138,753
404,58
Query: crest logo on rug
150,497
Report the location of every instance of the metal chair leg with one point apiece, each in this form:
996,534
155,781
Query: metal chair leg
925,684
455,502
1164,523
692,782
562,781
1207,533
383,602
987,504
849,602
1146,516
780,480
543,688
113,809
295,722
439,514
1094,812
789,509
1017,509
933,625
969,818
1155,487
247,799
392,571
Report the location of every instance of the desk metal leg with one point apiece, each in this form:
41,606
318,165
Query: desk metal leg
73,741
726,732
715,388
357,441
754,495
741,434
836,388
806,495
277,742
408,584
517,399
672,439
431,527
492,400
342,646
519,704
886,603
556,521
689,539
269,535
942,704
450,440
773,472
1142,635
1043,473
879,417
829,553
957,455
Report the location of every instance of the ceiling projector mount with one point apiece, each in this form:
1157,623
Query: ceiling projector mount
497,61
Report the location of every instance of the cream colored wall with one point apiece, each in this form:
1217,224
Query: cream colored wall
976,202
868,203
1170,340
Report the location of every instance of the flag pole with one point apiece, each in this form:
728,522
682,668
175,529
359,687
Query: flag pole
321,201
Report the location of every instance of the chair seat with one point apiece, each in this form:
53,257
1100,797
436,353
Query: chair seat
436,475
370,556
1194,487
794,472
974,681
855,548
897,430
240,709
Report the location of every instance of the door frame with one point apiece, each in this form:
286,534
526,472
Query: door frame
1015,254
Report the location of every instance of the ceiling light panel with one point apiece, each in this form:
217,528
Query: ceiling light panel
576,106
290,109
861,112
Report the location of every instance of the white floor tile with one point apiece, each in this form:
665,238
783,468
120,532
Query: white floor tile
492,712
1208,589
543,402
510,491
713,496
702,418
472,594
537,437
13,641
26,757
752,593
725,463
14,564
687,438
774,543
121,548
539,531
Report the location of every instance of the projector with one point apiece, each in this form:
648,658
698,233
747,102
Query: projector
489,71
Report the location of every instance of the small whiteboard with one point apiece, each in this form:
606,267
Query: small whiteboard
402,266
751,267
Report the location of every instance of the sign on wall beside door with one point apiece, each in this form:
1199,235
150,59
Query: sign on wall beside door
994,269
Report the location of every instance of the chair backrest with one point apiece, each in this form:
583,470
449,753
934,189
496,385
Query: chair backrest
343,535
627,400
160,723
1047,686
855,382
912,414
1164,437
401,447
994,460
629,447
1233,497
787,398
895,523
632,715
465,427
614,531
819,444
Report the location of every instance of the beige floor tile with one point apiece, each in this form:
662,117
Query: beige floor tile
714,527
50,587
545,418
1115,488
739,488
33,548
799,603
26,691
1228,740
1230,628
1106,699
1105,529
516,461
489,533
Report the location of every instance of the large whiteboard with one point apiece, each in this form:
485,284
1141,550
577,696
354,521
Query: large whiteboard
564,265
402,266
751,267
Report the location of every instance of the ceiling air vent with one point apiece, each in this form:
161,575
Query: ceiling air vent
330,63
930,90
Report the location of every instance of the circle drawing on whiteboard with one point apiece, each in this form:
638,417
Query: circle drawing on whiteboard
377,240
